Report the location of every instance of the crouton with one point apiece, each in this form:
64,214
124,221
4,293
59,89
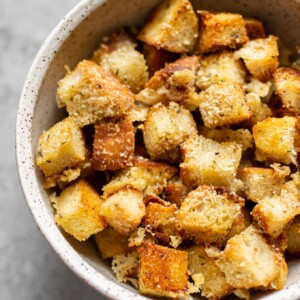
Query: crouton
165,129
124,209
126,267
113,145
255,28
60,147
78,210
223,104
147,176
273,214
215,285
175,82
274,140
287,84
91,93
157,58
207,214
111,243
293,235
219,31
240,136
220,67
163,271
260,89
208,162
259,110
138,113
160,221
262,182
261,57
249,262
119,56
173,26
175,191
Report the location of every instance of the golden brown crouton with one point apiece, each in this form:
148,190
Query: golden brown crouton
118,55
249,262
207,214
61,147
175,82
173,26
175,191
287,84
138,113
293,235
263,182
223,104
91,93
259,88
255,28
124,209
113,145
126,267
240,136
208,162
261,57
78,210
163,271
165,129
219,31
215,68
273,214
157,58
215,286
160,221
274,140
111,243
147,176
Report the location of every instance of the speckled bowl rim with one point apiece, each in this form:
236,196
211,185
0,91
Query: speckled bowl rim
29,179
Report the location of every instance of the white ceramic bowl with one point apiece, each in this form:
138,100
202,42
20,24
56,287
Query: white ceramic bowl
74,38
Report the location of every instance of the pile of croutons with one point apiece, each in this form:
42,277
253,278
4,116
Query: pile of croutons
179,155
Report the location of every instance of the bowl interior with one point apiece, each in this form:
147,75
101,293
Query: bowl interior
75,38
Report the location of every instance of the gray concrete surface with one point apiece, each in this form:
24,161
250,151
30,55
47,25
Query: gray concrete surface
29,268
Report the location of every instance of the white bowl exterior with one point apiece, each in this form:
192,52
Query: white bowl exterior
74,38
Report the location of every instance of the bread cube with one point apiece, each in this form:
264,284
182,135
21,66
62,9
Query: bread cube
219,31
138,113
157,58
259,110
259,88
175,82
219,67
215,285
124,209
113,145
255,28
163,271
274,140
165,129
260,183
126,267
91,94
208,162
78,210
240,136
119,56
248,261
207,214
172,26
261,57
223,104
147,176
273,214
293,235
60,147
287,84
160,221
175,191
